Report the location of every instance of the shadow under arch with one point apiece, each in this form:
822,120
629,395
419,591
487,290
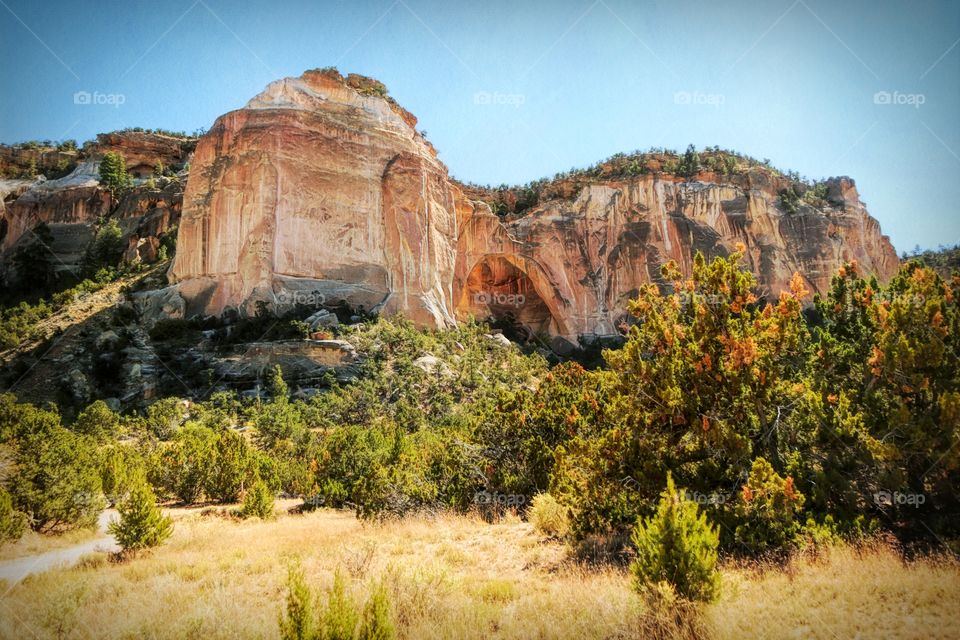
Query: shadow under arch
515,291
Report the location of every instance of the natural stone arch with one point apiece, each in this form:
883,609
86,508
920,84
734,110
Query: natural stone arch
512,288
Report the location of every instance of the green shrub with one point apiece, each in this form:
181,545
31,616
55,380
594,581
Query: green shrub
339,619
97,420
12,522
767,510
297,621
231,466
106,251
57,483
141,524
258,502
120,468
182,466
377,623
790,199
678,546
165,416
548,516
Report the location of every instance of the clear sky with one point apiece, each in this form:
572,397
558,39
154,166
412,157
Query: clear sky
514,90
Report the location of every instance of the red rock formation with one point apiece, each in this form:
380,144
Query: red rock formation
568,266
70,206
320,190
143,151
317,192
73,206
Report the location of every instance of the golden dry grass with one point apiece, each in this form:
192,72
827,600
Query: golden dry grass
458,577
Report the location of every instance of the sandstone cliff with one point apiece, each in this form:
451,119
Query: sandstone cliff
320,190
74,205
567,267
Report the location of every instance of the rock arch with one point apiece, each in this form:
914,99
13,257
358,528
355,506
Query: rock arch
514,289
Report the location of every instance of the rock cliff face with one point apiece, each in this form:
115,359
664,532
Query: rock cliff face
568,267
74,205
143,151
319,191
69,206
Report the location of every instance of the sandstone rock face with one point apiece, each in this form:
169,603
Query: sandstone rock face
70,206
143,151
146,217
14,160
73,206
318,194
569,266
321,192
304,360
10,190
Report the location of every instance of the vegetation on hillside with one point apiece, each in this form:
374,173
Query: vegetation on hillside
727,429
725,163
784,428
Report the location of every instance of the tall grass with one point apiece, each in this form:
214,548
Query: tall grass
459,577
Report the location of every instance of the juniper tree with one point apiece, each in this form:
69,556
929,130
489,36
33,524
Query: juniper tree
678,546
141,524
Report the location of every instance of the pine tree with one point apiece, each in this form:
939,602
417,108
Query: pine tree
677,546
277,387
231,464
113,173
141,523
12,522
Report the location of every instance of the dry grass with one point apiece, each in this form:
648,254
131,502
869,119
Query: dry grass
847,593
457,577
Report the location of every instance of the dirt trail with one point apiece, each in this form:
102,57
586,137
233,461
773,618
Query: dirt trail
13,571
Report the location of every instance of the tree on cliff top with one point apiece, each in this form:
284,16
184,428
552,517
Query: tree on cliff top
113,173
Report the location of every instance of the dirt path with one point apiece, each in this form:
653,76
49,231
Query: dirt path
13,571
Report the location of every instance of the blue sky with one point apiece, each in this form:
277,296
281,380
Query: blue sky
511,91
